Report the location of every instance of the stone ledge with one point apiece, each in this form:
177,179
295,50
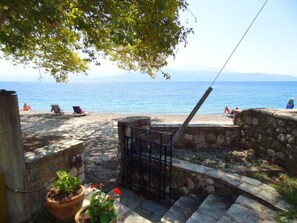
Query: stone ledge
280,113
202,125
47,152
243,184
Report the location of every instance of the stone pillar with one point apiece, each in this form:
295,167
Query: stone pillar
124,129
12,157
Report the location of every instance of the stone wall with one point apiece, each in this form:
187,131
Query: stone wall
271,133
194,137
190,178
42,164
197,136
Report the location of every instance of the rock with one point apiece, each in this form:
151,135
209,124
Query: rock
210,189
270,131
255,121
281,123
209,181
248,120
290,138
276,145
185,190
191,184
280,130
270,152
199,139
220,140
294,132
280,155
281,137
211,137
188,137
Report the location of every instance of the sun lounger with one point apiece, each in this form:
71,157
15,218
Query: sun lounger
78,111
57,110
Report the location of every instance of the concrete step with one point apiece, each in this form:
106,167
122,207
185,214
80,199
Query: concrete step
182,209
126,215
141,207
211,209
248,210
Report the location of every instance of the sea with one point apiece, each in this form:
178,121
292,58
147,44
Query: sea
154,97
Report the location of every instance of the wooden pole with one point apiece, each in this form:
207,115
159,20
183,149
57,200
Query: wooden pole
12,160
191,115
3,209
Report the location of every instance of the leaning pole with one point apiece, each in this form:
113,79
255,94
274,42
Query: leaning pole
12,163
182,128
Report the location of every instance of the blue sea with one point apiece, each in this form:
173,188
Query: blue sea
163,97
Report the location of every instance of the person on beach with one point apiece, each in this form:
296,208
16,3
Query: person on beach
229,113
27,107
290,104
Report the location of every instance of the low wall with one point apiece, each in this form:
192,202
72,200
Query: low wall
198,136
189,178
41,167
271,133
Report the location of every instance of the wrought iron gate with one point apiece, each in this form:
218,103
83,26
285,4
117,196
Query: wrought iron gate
147,161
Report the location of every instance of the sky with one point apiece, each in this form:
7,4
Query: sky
270,46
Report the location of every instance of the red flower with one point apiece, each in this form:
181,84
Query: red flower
117,191
107,197
93,186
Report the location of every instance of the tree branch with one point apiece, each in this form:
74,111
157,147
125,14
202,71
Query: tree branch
4,15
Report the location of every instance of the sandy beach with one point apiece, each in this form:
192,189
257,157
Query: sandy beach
158,118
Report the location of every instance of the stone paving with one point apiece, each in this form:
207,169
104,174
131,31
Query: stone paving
100,139
134,208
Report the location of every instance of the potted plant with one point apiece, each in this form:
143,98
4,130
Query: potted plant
66,198
101,209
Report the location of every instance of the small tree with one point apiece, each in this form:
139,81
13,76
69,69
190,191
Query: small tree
63,37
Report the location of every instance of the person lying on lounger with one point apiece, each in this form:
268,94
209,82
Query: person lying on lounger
229,113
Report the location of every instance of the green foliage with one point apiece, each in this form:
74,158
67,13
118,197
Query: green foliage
288,216
101,209
65,183
287,187
64,36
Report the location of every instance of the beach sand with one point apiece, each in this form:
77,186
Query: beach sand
156,118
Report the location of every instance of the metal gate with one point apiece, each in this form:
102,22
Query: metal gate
147,161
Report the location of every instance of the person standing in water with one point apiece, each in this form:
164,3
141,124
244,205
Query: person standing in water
290,104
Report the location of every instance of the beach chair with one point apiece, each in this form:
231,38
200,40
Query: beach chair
57,110
78,111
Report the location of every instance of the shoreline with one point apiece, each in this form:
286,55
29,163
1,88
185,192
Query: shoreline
156,118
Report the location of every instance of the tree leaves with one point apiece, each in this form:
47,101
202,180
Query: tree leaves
63,36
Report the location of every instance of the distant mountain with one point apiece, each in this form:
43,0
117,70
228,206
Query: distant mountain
177,75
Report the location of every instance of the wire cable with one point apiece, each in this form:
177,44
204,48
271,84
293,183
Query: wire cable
238,43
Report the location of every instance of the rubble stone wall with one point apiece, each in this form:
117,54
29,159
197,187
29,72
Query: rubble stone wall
271,133
41,167
200,180
198,136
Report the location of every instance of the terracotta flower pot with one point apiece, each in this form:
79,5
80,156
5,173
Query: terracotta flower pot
65,210
79,216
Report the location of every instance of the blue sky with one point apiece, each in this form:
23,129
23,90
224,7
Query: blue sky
269,47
